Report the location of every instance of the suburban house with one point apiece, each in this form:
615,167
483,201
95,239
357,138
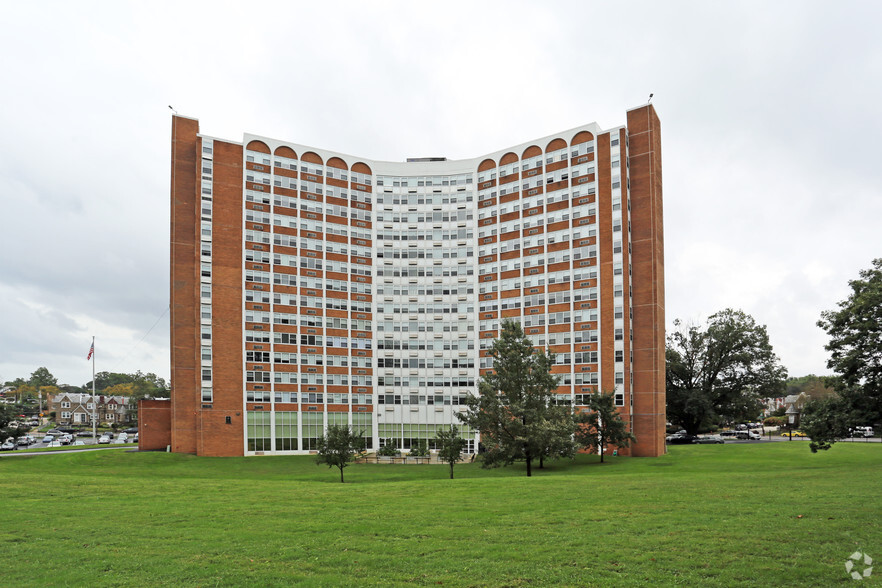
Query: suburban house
794,404
74,409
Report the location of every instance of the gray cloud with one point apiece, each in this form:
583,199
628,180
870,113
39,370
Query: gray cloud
768,119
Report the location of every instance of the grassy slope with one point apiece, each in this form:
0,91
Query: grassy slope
703,515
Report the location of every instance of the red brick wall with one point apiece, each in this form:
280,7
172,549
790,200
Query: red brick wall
184,282
154,426
647,235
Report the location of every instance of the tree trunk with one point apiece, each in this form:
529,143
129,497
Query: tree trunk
341,475
529,466
451,470
541,462
601,452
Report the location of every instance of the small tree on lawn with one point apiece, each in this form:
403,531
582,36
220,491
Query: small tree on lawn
602,425
825,420
339,446
450,446
514,409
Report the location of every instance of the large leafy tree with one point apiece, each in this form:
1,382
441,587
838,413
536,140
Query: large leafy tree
450,446
811,385
42,377
855,346
339,447
8,414
602,426
148,384
514,409
720,372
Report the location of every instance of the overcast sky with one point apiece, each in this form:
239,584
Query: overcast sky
770,119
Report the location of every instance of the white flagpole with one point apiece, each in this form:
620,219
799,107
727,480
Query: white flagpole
94,398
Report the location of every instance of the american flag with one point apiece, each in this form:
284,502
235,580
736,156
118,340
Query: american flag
91,351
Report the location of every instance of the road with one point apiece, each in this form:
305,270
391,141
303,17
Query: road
778,439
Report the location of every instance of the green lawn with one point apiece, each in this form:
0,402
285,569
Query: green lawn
733,515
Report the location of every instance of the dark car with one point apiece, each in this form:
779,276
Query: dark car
681,439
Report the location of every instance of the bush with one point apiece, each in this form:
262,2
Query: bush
420,449
389,449
775,421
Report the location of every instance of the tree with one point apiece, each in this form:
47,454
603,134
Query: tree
825,420
42,377
855,346
721,372
514,409
811,385
450,446
602,426
127,389
8,414
25,392
555,435
339,446
144,384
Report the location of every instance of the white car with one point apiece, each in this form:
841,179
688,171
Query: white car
103,440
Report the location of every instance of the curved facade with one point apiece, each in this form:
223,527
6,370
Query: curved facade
312,288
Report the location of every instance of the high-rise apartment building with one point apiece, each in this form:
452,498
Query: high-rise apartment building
312,288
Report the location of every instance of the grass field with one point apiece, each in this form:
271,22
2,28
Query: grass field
733,515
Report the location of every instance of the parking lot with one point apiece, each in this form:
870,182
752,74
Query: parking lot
58,439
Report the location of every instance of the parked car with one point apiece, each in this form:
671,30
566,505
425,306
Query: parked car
135,438
103,440
793,434
709,439
123,437
7,446
26,440
131,430
862,432
48,439
679,439
754,436
727,433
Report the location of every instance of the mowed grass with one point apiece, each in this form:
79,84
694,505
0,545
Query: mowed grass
735,515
